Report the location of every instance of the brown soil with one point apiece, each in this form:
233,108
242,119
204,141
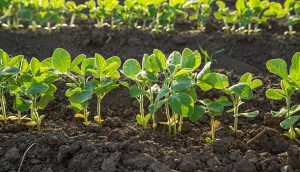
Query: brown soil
121,145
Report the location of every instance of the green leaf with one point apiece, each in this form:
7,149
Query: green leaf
34,66
182,104
88,63
61,60
139,119
4,58
240,5
37,89
216,80
190,59
135,91
160,59
242,90
199,112
256,83
246,78
15,60
278,67
182,83
205,70
81,97
131,68
249,114
79,59
6,71
289,122
44,101
21,105
295,67
275,94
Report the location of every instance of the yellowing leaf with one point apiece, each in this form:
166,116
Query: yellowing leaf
98,120
12,118
79,115
31,123
1,118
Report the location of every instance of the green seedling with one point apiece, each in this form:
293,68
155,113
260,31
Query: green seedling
9,68
177,92
246,17
155,10
145,78
34,89
290,83
80,91
290,11
202,10
238,92
214,109
75,11
172,10
105,73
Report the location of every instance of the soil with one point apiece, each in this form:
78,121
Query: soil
64,144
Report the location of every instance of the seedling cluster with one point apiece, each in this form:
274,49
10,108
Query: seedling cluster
154,15
169,83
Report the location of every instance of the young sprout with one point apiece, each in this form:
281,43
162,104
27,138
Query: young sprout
80,91
34,89
213,109
238,92
9,68
177,93
145,78
75,11
202,10
290,11
289,85
105,73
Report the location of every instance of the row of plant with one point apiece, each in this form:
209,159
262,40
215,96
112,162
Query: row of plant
169,83
247,16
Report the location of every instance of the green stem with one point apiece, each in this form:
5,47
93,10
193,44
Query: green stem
72,19
288,106
142,110
168,116
236,120
3,106
99,99
19,117
85,113
175,125
157,21
180,124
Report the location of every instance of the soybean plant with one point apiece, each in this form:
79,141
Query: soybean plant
9,67
177,92
75,11
34,89
243,90
214,108
290,84
145,78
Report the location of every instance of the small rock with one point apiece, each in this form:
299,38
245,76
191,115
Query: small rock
110,163
99,37
287,168
63,154
140,161
35,161
159,167
222,145
251,156
245,166
12,154
114,122
187,165
235,155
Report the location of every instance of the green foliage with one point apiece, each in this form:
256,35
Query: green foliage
104,72
246,17
289,85
243,90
